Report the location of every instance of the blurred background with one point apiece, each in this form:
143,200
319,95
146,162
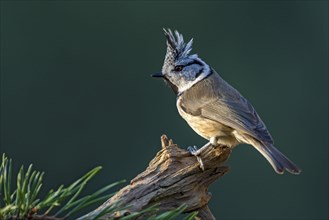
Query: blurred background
76,93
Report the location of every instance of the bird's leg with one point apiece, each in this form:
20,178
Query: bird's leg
196,152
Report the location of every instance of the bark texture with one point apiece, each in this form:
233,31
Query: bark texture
173,178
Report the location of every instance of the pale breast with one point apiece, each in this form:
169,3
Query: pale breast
207,128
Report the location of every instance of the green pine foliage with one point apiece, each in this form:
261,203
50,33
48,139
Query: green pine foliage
23,202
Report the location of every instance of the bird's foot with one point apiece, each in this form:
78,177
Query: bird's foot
193,150
196,152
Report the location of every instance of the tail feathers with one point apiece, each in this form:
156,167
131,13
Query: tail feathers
279,162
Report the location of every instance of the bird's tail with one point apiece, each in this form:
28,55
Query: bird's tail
278,160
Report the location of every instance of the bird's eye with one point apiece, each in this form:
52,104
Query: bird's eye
178,68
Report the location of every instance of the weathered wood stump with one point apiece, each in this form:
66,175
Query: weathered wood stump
173,178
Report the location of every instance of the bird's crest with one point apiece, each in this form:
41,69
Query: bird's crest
176,47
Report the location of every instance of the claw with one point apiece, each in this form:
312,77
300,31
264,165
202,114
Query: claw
200,162
194,151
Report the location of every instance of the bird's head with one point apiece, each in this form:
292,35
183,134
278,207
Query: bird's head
181,69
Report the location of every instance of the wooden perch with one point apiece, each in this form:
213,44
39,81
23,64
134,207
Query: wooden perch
173,178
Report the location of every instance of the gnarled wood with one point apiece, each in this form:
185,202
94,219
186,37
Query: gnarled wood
173,178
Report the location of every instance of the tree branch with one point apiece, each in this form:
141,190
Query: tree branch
173,178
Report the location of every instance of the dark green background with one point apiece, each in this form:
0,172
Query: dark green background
76,92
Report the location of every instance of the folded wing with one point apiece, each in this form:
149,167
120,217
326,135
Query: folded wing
239,115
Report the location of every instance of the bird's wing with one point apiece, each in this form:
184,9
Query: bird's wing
238,114
215,99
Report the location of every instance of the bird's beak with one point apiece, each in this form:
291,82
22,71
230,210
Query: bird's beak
158,75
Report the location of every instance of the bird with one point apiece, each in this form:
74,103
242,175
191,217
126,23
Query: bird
213,108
